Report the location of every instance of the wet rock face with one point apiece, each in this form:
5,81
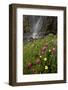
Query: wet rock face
51,26
38,26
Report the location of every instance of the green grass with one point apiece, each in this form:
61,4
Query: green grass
32,52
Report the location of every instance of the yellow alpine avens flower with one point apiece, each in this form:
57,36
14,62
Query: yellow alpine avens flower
49,50
40,56
45,59
46,67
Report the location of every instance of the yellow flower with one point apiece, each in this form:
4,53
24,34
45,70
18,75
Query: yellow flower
40,56
45,59
46,67
49,50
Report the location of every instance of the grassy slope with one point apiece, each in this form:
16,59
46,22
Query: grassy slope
31,51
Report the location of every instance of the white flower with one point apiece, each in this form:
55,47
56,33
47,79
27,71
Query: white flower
45,59
40,56
46,67
49,50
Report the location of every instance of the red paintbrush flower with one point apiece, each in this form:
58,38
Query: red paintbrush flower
44,48
29,65
37,61
42,52
53,50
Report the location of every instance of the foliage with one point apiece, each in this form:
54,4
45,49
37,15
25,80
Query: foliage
40,55
26,24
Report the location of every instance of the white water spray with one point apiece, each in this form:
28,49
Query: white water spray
36,28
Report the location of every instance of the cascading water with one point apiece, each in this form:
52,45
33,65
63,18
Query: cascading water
36,27
36,23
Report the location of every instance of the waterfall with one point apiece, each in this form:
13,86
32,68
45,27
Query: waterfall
36,27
